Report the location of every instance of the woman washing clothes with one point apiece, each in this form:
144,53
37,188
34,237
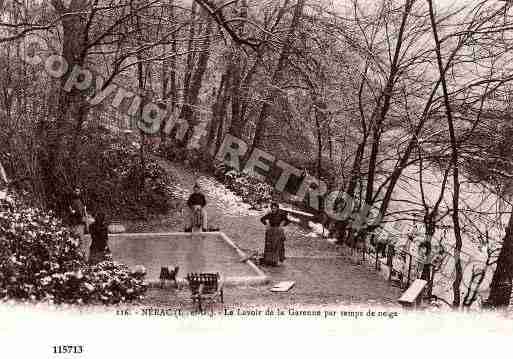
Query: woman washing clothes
99,250
274,249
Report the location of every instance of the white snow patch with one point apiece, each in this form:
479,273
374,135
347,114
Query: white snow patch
318,228
293,219
180,192
231,204
319,231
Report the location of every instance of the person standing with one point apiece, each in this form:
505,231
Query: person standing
198,202
78,215
99,249
274,249
423,261
381,245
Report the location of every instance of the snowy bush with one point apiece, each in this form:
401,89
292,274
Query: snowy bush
40,261
115,181
249,188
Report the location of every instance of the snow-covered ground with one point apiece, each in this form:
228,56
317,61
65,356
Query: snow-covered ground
318,230
232,205
180,192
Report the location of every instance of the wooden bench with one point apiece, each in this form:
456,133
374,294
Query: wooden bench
205,286
413,295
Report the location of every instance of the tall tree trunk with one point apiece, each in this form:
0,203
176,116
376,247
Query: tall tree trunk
143,73
72,107
319,143
222,117
237,93
330,143
354,175
454,163
187,111
169,89
320,121
500,287
212,131
261,124
190,53
240,88
237,122
141,82
219,109
377,123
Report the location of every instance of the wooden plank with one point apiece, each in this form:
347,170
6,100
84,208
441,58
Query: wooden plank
412,293
290,210
283,286
3,174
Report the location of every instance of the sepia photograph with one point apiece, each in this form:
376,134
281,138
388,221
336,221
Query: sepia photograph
259,166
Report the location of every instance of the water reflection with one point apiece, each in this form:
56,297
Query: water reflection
135,249
195,257
192,253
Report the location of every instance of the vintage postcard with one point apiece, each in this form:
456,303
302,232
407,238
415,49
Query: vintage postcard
177,172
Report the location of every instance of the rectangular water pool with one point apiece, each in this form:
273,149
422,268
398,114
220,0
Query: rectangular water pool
198,252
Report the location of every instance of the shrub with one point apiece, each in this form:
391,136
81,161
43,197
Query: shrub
198,159
170,150
40,261
249,188
114,179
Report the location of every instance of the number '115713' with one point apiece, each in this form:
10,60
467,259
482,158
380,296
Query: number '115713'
68,349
